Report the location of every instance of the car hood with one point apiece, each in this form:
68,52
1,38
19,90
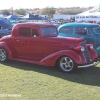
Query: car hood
64,41
76,41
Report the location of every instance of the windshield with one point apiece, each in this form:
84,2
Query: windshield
10,27
49,31
96,30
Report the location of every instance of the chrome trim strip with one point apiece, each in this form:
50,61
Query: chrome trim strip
89,65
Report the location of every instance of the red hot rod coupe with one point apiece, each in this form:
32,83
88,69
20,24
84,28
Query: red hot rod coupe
39,43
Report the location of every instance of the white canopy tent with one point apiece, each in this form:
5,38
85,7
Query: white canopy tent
90,15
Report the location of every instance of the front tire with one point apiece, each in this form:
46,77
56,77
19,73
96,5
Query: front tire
66,64
3,55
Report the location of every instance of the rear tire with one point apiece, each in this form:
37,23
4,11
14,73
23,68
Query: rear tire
3,55
66,64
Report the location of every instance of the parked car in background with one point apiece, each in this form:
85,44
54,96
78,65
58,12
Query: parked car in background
89,31
39,43
4,32
5,28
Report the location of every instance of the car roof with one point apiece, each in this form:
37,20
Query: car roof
79,24
40,24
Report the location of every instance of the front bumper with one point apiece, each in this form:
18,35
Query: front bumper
89,65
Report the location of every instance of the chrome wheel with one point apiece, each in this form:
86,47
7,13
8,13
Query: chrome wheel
66,64
3,55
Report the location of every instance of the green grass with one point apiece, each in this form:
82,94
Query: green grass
34,82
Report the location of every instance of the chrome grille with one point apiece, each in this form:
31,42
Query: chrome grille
86,53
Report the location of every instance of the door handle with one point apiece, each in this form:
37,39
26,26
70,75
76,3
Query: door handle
17,40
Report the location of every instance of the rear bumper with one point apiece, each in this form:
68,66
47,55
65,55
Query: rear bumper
89,65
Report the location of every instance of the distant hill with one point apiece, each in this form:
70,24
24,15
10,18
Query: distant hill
57,10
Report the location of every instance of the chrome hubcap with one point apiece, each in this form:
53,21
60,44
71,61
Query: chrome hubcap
66,64
2,55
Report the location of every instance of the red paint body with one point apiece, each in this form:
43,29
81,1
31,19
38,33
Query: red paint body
43,50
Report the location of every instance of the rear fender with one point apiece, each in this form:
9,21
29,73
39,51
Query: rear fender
5,46
52,59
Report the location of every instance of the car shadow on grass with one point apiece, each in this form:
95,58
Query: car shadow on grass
87,76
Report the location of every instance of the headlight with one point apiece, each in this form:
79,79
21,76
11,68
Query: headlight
82,49
91,47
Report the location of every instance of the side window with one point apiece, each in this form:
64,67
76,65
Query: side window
96,30
49,31
82,31
25,32
66,30
35,33
10,27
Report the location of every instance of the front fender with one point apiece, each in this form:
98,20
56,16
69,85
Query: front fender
52,59
5,46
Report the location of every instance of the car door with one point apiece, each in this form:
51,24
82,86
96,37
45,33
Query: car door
50,44
96,32
86,33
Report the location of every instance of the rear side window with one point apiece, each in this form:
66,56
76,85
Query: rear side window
25,32
82,31
66,30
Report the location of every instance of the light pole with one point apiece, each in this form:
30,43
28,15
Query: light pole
12,10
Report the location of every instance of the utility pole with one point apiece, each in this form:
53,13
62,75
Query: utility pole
11,10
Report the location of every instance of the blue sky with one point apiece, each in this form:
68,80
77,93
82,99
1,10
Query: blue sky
16,4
